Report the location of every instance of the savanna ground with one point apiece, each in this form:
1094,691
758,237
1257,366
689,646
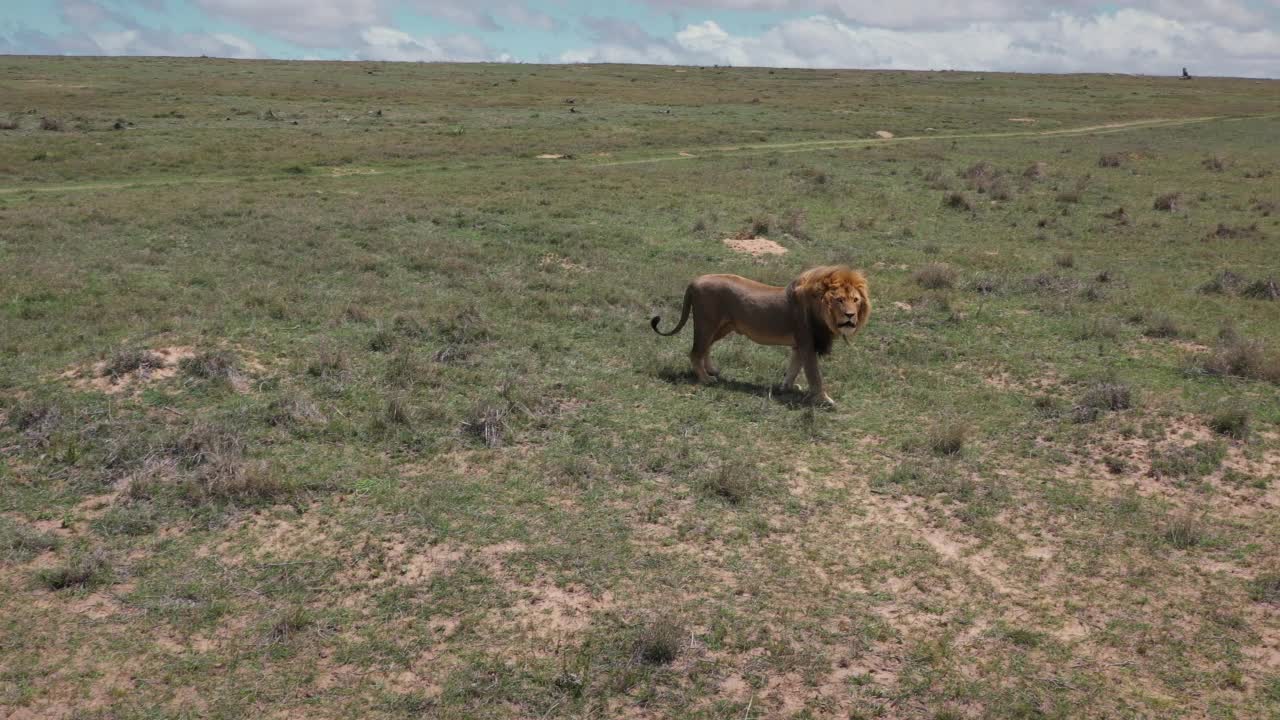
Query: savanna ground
321,395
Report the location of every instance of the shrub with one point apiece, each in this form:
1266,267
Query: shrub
1232,420
947,437
130,360
19,542
1224,283
1236,357
51,124
1265,588
1111,160
957,200
83,569
733,482
935,276
211,365
659,642
1169,202
1267,289
1101,398
1160,325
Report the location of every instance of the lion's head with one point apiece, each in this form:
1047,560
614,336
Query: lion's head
836,296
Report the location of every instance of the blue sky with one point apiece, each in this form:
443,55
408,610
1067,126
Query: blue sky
1218,37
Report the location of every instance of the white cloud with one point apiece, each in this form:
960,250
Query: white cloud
309,23
1124,41
384,43
931,14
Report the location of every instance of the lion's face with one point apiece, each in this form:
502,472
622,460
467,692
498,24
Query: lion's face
845,308
837,297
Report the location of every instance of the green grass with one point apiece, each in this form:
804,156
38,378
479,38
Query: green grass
424,457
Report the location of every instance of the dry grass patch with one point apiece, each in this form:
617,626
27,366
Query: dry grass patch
1101,398
957,200
1235,356
1231,420
20,542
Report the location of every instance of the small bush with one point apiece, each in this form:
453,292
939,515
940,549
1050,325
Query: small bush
10,124
1065,260
1036,171
1183,533
1160,325
1267,289
957,200
1229,232
328,361
1119,215
1106,328
382,340
935,276
20,542
294,410
1111,160
1102,397
397,411
1237,357
83,569
132,519
1169,202
1189,463
1224,283
947,437
1216,163
1232,420
659,642
987,285
1076,192
794,224
487,424
231,478
51,124
1265,588
733,482
130,360
211,365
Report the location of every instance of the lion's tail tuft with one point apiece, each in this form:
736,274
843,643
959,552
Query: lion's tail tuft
684,315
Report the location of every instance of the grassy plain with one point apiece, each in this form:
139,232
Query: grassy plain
321,395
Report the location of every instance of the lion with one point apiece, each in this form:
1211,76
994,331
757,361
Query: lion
807,315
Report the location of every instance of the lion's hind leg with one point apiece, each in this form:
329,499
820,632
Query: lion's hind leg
700,356
789,380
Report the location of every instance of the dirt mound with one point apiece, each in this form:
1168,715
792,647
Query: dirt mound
884,134
755,246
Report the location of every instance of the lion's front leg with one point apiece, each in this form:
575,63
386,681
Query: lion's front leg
813,374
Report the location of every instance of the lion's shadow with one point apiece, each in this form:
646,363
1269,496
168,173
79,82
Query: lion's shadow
789,398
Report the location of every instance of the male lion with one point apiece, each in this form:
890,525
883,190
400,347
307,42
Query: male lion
807,315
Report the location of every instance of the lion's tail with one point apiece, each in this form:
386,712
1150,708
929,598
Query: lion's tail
684,314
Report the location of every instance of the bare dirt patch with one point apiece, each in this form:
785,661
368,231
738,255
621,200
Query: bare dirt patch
1026,120
346,171
755,246
96,378
884,134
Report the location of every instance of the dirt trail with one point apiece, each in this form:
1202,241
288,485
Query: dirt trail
810,145
708,152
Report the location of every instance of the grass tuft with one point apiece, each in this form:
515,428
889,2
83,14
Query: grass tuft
1100,398
1265,588
20,542
84,569
957,201
948,437
130,360
734,482
659,642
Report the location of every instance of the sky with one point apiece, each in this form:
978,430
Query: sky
1209,37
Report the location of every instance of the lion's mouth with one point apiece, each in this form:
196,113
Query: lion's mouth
848,324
